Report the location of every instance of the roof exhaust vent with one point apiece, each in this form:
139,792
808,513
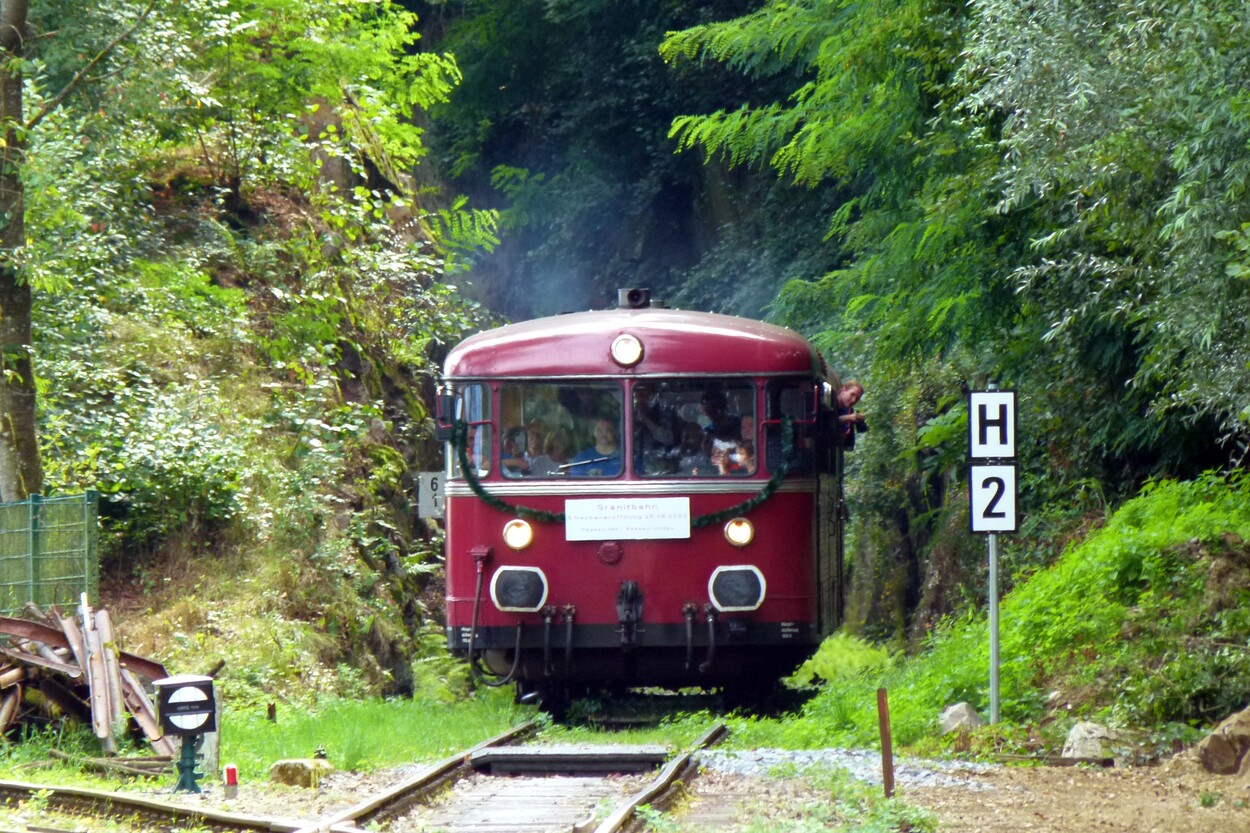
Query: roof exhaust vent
633,298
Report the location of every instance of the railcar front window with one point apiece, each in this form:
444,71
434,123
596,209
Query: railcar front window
694,428
560,430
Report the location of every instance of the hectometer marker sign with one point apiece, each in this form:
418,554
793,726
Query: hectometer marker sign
992,424
992,492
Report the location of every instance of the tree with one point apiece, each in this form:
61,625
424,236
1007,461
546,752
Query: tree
1126,127
21,472
562,123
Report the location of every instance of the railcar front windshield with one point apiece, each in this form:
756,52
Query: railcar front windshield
651,427
668,428
568,429
693,428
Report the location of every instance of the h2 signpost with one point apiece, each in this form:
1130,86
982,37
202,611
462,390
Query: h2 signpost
992,491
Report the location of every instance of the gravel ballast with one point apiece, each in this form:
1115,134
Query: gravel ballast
864,765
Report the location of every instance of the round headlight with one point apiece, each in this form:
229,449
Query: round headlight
518,534
626,350
739,532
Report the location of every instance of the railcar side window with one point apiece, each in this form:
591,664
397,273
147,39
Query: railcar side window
473,406
694,428
570,429
795,400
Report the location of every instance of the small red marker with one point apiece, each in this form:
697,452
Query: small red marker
232,781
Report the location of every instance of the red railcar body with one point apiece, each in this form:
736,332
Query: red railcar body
693,541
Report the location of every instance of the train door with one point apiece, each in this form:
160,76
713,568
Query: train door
815,454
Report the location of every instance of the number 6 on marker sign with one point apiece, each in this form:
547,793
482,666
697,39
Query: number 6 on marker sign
992,498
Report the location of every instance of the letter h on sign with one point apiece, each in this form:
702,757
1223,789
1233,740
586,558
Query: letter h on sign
992,424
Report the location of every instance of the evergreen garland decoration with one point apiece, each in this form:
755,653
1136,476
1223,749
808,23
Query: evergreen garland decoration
459,439
787,454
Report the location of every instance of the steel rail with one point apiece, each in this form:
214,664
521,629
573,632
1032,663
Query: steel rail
397,796
103,804
675,770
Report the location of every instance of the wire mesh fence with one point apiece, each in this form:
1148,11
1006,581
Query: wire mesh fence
48,551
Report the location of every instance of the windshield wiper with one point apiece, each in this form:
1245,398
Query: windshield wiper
588,462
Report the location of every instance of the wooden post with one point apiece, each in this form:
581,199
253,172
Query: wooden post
210,747
887,745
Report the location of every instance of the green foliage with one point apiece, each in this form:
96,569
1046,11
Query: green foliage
1092,627
561,122
755,250
825,130
840,656
436,675
286,60
86,210
1044,195
1130,145
130,423
860,115
239,303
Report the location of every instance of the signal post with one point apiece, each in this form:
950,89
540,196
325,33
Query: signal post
992,492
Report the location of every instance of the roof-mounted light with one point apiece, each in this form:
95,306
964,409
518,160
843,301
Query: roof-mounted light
626,350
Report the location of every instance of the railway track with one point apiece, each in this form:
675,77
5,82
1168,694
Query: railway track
581,789
495,787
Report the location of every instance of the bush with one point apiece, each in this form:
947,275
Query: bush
1080,627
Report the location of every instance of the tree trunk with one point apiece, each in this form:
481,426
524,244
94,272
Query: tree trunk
21,473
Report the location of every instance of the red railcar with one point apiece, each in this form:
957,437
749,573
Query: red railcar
639,497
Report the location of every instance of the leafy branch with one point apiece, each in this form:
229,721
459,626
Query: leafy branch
81,75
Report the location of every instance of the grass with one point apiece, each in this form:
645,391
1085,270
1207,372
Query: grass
366,734
678,732
355,735
369,734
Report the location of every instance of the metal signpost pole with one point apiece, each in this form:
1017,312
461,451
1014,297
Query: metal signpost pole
993,628
993,549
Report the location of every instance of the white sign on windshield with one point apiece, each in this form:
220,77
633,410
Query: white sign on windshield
603,519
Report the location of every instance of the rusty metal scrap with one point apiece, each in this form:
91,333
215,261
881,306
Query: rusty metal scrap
74,662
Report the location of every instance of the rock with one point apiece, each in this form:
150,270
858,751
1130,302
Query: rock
959,716
1222,751
300,772
1089,740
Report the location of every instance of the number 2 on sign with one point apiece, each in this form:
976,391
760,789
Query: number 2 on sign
999,487
992,497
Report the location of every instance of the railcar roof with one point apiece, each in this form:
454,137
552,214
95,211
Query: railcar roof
674,342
